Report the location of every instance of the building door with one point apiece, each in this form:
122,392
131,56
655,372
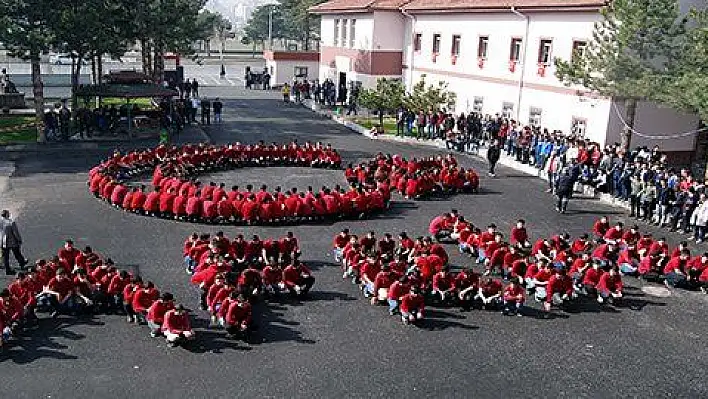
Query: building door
342,87
342,79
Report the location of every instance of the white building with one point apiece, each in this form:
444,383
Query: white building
496,55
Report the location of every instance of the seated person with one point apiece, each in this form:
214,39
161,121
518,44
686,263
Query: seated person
514,298
176,327
412,306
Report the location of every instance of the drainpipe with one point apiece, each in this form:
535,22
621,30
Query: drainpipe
412,53
522,58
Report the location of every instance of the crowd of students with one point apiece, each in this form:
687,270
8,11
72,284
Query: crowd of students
407,273
233,274
177,194
81,282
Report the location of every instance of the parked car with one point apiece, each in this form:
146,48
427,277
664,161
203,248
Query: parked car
62,59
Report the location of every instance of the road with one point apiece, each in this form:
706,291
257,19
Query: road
57,78
336,344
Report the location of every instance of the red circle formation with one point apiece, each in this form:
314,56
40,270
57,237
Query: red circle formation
178,195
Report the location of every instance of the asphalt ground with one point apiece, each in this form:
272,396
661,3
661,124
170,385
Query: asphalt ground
336,344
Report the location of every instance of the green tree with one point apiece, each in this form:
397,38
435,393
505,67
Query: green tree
687,85
256,31
162,26
386,97
429,96
629,55
25,31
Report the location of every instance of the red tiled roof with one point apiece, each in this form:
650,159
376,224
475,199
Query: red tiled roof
333,6
460,5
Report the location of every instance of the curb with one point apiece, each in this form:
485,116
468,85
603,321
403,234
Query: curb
504,160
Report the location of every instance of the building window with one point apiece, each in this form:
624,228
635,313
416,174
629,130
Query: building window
352,33
455,50
478,104
300,72
515,50
578,127
417,42
507,110
336,32
482,46
544,52
579,48
535,117
345,30
436,43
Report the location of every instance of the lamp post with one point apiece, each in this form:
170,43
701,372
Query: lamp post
270,28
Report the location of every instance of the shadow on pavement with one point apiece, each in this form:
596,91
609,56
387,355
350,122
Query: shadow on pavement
39,342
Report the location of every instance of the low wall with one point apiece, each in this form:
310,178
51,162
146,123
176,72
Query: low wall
12,100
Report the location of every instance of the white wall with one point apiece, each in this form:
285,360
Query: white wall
364,30
653,120
389,27
284,71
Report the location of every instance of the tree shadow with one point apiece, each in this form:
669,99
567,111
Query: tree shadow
438,320
39,341
273,327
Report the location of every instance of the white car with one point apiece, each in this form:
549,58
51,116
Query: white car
62,59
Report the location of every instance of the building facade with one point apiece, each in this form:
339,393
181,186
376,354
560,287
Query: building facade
497,56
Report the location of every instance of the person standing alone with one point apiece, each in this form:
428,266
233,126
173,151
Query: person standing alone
493,154
218,106
11,240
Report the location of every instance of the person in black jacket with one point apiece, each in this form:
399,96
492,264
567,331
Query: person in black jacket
564,190
493,154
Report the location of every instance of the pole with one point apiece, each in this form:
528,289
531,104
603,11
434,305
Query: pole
270,29
522,59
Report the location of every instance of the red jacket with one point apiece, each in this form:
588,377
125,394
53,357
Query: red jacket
511,294
412,302
397,290
239,312
176,324
156,313
609,283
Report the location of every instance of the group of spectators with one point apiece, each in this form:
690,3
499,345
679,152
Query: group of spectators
234,274
655,192
409,273
81,282
176,194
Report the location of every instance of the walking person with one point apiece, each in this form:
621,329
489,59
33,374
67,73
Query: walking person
11,240
195,87
564,190
493,154
218,106
206,111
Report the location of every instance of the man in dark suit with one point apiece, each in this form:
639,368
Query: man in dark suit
10,240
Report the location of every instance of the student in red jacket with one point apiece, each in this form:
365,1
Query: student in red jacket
143,299
238,317
609,288
490,293
298,278
467,285
156,313
176,326
444,285
412,306
514,298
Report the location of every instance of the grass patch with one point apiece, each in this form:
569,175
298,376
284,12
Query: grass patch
26,135
389,123
10,121
142,103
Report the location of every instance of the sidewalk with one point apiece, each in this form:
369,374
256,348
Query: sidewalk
507,161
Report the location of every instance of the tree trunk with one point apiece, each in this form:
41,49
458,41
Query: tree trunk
306,47
93,69
99,70
146,54
381,115
158,72
630,105
38,92
75,74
